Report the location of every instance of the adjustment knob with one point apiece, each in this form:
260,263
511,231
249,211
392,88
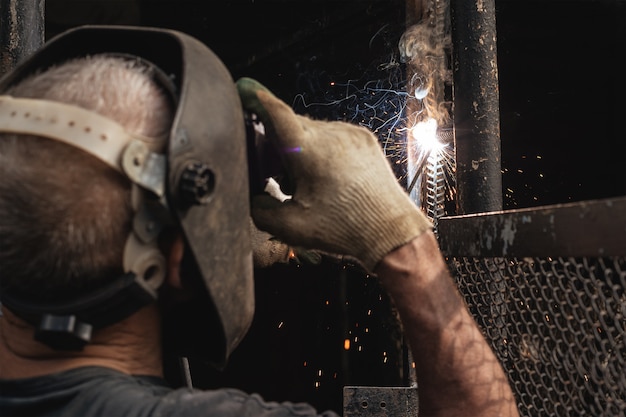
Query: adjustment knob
196,184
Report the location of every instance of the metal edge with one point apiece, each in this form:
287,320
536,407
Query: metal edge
586,228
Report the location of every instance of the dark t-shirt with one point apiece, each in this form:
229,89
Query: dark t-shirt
96,391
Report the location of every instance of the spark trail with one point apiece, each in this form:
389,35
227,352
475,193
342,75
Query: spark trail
396,98
376,100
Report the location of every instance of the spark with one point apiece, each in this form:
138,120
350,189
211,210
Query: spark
425,147
378,100
424,135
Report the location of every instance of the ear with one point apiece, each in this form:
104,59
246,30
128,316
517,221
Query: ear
174,259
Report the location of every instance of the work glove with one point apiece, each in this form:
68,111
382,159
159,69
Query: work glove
345,198
267,251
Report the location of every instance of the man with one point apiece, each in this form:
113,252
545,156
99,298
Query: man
96,244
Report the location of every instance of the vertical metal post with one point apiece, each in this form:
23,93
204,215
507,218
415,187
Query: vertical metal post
22,31
476,106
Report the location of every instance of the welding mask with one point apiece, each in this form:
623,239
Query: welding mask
198,178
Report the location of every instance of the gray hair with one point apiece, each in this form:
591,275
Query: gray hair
64,215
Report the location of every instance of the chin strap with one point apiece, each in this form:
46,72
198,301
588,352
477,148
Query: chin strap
69,325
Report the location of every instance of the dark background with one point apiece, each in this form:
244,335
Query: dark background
563,129
561,72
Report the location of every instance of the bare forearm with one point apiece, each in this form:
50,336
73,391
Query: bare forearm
458,374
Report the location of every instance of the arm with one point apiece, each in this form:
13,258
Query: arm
346,200
457,372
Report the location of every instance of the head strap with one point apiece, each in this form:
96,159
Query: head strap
68,326
135,156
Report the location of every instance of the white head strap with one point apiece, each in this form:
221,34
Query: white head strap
136,156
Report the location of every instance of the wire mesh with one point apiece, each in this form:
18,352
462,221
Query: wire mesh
558,326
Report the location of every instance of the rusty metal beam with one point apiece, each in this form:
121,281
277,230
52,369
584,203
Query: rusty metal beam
587,228
22,31
476,106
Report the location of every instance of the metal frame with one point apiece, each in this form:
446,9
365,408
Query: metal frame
586,228
380,401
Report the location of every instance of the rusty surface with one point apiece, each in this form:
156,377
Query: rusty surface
587,228
476,106
21,31
380,401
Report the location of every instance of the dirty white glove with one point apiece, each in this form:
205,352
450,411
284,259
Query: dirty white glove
345,198
267,250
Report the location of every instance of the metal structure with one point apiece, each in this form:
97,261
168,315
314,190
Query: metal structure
22,31
548,288
380,401
476,106
425,46
546,285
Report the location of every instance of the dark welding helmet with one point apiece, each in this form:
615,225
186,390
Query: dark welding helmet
198,177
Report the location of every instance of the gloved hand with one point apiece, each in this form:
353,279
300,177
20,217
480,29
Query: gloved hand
345,198
268,250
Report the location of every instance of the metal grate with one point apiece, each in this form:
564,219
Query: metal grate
557,323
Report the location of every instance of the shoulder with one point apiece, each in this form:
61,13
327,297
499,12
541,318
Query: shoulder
229,402
95,392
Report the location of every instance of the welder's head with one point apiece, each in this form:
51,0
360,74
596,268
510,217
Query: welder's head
111,139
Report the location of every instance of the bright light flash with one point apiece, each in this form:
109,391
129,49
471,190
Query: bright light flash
425,136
